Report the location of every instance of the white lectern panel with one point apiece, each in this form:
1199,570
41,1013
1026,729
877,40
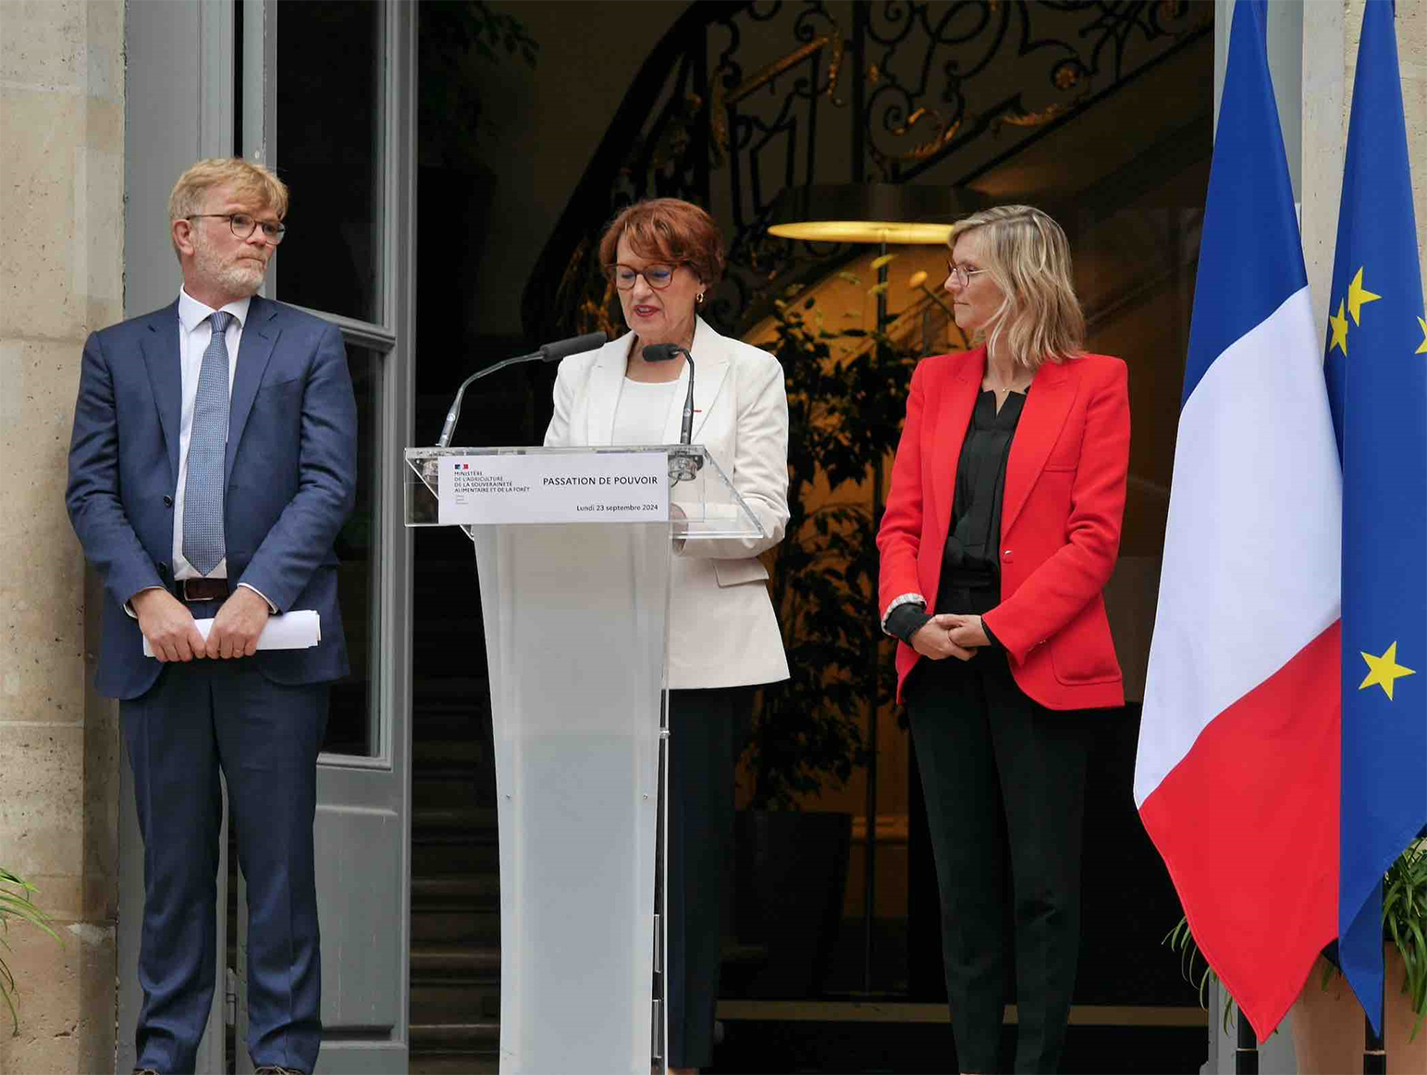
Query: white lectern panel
575,619
575,638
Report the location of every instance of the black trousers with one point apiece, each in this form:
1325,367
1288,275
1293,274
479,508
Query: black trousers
1004,781
705,730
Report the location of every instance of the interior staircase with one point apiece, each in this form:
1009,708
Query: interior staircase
455,883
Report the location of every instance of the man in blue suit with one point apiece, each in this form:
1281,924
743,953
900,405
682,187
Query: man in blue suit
212,463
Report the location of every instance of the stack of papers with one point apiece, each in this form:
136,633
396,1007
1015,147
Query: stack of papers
292,630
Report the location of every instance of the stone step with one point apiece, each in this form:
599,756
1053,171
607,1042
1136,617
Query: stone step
465,791
450,684
451,790
446,927
446,1062
451,707
465,822
459,892
437,1003
469,1038
455,837
465,728
446,857
464,963
430,753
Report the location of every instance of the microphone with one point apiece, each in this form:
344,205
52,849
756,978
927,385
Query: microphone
684,468
550,352
665,352
575,345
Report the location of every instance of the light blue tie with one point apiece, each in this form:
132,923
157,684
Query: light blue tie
203,544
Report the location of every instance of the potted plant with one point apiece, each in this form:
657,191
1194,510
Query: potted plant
1328,1021
16,904
846,399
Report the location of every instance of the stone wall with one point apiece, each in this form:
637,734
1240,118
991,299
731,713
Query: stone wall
61,275
1330,53
1412,63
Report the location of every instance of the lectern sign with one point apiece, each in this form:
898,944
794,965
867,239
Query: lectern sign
605,487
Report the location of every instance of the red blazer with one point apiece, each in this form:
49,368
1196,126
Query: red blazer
1060,519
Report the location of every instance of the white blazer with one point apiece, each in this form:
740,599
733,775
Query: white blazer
722,630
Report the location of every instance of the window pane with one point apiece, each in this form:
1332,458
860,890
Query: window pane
330,105
353,723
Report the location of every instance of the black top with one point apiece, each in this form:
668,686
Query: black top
970,559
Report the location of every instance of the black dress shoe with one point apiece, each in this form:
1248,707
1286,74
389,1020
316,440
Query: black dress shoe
277,1069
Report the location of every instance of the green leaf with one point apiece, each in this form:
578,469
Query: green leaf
16,903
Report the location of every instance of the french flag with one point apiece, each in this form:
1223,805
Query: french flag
1237,775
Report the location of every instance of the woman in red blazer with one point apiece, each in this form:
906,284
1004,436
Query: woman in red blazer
1002,528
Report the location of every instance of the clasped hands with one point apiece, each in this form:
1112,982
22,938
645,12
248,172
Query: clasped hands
168,625
950,634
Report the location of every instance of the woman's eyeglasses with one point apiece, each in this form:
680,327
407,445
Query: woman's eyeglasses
963,275
657,276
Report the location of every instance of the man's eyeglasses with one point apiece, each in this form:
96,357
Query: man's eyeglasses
963,275
243,225
657,276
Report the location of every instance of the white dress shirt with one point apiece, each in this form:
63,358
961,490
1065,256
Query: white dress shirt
195,332
642,410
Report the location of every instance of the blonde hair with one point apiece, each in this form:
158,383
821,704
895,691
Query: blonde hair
1026,254
250,181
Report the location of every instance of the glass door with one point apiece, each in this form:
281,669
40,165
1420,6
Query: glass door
327,100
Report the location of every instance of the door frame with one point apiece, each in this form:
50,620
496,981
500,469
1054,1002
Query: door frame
355,789
185,60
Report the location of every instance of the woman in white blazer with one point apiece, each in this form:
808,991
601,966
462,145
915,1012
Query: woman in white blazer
662,255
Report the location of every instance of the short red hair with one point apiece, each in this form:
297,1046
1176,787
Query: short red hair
667,229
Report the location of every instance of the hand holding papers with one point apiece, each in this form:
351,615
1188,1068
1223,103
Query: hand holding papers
292,630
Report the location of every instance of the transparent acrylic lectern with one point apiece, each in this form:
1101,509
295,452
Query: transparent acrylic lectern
575,620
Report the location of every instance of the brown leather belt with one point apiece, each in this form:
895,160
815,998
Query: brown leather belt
202,589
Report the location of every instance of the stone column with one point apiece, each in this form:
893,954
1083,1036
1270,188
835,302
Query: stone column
1412,61
1330,54
61,275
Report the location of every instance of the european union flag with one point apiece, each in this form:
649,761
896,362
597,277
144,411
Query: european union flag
1376,367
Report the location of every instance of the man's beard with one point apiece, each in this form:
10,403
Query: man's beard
241,277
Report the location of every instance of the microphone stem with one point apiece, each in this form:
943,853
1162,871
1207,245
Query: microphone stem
686,431
551,352
444,441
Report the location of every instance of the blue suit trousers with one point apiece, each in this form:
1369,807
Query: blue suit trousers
200,717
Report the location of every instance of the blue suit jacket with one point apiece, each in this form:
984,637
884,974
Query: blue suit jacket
290,472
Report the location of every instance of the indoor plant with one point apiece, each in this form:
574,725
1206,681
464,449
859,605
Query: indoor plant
846,398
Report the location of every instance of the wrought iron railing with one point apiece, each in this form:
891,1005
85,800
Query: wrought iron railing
740,103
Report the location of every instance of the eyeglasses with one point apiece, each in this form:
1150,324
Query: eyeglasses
657,276
963,275
243,225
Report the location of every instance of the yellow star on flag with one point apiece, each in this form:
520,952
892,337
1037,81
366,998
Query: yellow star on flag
1423,349
1384,671
1340,331
1357,296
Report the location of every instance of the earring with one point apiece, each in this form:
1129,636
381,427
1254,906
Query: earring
699,297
